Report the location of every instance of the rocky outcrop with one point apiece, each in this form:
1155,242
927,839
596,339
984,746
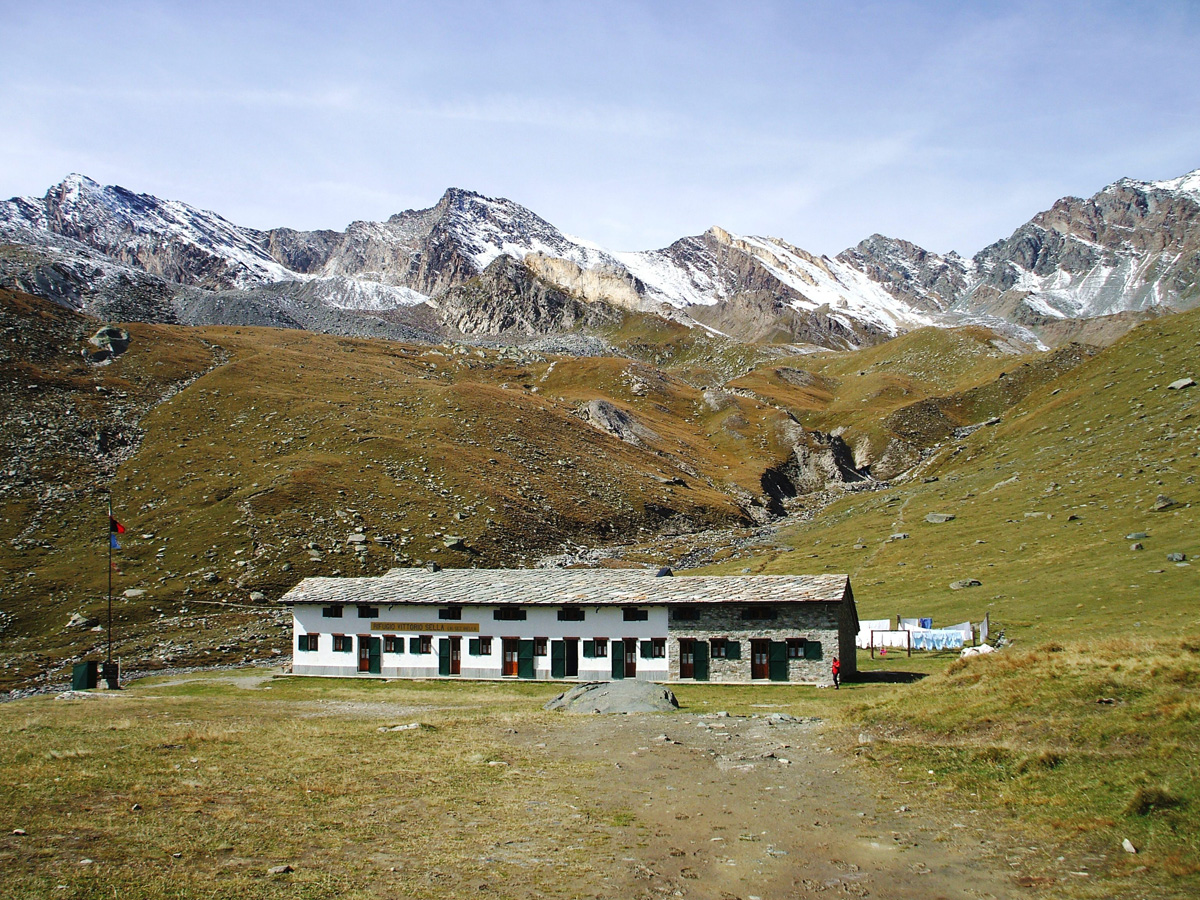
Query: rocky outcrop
1132,246
603,284
611,419
921,278
507,297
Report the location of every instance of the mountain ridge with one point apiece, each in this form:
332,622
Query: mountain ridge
1132,247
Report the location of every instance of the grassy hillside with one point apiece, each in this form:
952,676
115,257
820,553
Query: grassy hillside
1085,732
1043,503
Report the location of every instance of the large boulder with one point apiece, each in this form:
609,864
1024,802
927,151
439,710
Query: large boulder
607,697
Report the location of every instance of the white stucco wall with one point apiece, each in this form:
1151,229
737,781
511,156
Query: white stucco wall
540,622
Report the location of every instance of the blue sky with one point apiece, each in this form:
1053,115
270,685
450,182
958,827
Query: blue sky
631,124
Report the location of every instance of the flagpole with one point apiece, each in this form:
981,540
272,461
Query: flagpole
110,549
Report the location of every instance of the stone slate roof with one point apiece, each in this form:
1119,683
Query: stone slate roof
559,587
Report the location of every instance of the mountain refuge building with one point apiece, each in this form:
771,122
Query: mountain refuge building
574,624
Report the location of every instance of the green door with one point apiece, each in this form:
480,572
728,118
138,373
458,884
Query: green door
778,661
617,649
525,659
558,659
700,661
373,646
444,656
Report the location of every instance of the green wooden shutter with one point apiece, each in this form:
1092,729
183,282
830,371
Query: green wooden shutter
733,650
647,650
777,661
473,646
700,660
812,649
374,665
558,659
444,656
589,649
302,642
525,659
616,649
414,645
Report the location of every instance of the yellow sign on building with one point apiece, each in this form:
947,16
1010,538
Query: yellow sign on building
426,627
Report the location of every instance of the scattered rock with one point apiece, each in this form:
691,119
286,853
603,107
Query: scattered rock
454,542
1127,846
356,538
78,620
257,596
1136,545
606,697
1180,384
1163,502
114,340
899,536
133,593
965,583
280,870
939,518
86,862
1136,536
211,577
411,726
1176,557
19,832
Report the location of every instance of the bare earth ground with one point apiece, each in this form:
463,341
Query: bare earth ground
718,813
197,785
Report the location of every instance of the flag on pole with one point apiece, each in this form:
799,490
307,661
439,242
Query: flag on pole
114,526
112,542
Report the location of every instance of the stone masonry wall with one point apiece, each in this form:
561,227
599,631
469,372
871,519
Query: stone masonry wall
811,621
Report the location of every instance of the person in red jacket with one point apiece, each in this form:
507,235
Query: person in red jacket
837,673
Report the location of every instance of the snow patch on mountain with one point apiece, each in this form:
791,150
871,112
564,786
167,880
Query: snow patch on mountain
1188,184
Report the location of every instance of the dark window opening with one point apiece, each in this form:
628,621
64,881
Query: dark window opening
658,648
795,648
539,646
425,644
332,612
509,614
601,647
685,614
570,614
342,643
307,642
485,646
368,612
758,613
636,615
392,644
450,612
717,648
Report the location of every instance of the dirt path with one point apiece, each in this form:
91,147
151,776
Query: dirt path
734,807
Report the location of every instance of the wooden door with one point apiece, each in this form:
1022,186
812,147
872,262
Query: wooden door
760,659
687,658
368,654
571,658
558,659
701,661
510,648
779,661
631,646
455,656
525,663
